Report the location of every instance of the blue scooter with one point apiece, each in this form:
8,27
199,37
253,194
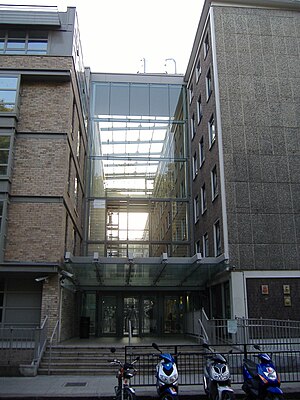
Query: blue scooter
166,376
261,380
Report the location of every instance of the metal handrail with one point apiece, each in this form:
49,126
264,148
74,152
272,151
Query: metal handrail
50,344
203,333
40,345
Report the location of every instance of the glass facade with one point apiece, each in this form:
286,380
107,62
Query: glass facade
138,200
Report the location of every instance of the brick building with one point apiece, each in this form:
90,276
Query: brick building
43,156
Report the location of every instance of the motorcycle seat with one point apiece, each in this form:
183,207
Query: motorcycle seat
251,367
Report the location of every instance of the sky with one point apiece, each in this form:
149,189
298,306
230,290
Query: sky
134,35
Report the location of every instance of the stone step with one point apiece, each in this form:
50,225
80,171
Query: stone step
94,360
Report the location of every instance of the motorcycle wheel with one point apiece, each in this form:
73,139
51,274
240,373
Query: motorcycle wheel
118,394
167,397
228,396
274,397
128,395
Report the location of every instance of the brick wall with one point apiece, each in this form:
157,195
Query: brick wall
68,314
35,232
35,62
40,167
50,302
45,107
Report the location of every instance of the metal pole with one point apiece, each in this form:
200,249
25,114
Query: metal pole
129,332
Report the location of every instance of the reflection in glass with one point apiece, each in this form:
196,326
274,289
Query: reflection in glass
108,320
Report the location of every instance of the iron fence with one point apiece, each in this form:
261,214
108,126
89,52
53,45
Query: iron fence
243,330
23,344
191,359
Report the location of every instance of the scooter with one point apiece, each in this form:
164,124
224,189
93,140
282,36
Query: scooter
125,372
216,377
166,376
261,380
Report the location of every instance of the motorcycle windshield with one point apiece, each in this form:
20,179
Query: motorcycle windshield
167,357
219,358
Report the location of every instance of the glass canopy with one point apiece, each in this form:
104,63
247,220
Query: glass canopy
186,272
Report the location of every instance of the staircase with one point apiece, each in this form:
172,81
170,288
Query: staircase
78,360
93,359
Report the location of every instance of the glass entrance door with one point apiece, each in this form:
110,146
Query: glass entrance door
131,316
149,315
173,314
108,315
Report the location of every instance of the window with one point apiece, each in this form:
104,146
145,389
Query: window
181,157
203,199
78,146
16,42
198,70
1,213
199,110
201,151
205,245
183,229
214,182
211,130
206,45
169,219
208,85
4,154
8,93
217,238
193,127
195,166
191,92
182,190
196,209
76,193
198,246
69,173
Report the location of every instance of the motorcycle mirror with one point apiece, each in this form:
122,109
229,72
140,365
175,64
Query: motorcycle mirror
205,345
113,350
155,346
256,346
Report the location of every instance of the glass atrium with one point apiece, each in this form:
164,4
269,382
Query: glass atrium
139,253
138,200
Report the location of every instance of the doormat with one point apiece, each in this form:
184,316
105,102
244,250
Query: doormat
76,384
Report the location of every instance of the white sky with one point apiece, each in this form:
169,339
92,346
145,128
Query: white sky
117,34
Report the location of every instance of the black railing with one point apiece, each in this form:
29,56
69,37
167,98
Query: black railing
191,359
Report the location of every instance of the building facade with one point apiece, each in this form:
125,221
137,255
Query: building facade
243,85
157,192
43,121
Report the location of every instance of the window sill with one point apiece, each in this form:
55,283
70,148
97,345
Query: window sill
215,197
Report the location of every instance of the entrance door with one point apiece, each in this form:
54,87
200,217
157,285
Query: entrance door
149,315
131,316
173,314
108,314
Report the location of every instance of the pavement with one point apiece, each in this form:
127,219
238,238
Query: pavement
98,387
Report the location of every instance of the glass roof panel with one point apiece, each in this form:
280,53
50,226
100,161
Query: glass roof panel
148,272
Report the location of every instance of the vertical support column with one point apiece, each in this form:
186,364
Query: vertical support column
238,295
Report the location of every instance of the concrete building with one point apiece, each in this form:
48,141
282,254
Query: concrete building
153,192
243,85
